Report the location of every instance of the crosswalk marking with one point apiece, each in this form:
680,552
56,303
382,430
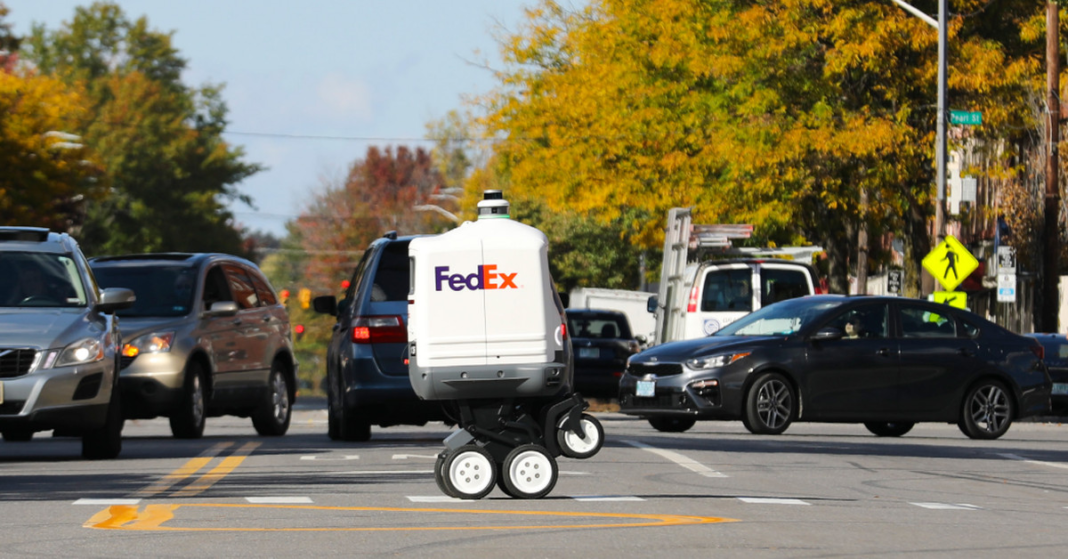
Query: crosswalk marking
684,461
107,502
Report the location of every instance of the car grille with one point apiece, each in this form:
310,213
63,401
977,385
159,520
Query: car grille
660,370
16,362
665,400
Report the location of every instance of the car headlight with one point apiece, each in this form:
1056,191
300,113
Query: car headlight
80,352
715,361
156,342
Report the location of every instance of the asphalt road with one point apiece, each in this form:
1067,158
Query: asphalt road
816,491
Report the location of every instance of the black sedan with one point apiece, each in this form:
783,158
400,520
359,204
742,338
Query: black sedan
903,361
1056,346
602,342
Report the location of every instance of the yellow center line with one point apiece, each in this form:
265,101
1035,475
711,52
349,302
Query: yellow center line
124,517
189,468
218,472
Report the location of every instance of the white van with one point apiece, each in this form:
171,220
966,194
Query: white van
722,291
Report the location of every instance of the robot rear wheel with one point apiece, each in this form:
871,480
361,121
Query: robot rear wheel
529,472
580,447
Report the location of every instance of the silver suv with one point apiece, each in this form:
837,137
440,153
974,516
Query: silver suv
59,343
207,337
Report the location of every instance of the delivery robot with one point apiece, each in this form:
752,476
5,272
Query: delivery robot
488,338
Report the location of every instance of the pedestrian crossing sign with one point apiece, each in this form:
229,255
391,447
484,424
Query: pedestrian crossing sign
950,263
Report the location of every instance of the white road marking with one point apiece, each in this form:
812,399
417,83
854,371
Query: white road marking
278,500
106,502
585,498
771,501
433,499
944,506
407,456
320,457
387,472
1037,462
684,461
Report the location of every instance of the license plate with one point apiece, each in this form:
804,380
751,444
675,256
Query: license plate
645,389
589,352
1060,389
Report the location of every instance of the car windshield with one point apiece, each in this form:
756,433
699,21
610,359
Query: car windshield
40,279
780,319
160,290
597,326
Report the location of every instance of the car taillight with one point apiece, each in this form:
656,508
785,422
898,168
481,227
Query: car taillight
563,331
379,330
692,306
1039,351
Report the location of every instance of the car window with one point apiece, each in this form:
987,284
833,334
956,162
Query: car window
40,279
216,288
604,327
918,322
391,276
263,289
729,289
780,319
777,284
160,290
863,322
240,286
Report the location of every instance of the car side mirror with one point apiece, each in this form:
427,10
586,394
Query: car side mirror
641,339
222,308
325,304
115,298
651,304
828,333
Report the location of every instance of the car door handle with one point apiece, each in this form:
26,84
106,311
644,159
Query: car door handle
883,351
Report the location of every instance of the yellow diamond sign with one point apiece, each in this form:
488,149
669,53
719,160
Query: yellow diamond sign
950,263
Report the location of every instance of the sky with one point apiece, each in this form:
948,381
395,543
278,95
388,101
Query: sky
374,72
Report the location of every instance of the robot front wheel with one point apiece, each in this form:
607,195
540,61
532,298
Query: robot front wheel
574,446
528,472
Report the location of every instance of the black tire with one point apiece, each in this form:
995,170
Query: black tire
987,410
745,423
770,404
469,473
889,428
529,472
105,442
273,416
333,425
439,473
581,448
188,421
353,427
16,435
671,424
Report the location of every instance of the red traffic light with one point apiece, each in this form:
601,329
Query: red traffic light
284,293
299,329
344,284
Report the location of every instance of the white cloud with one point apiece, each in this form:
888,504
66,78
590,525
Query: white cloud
344,97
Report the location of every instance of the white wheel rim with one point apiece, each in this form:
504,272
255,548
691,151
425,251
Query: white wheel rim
580,445
470,472
530,472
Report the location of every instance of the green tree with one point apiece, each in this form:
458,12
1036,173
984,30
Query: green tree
159,140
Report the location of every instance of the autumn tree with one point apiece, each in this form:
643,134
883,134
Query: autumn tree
777,114
159,140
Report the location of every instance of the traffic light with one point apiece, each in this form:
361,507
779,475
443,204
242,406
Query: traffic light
344,284
284,295
304,296
299,331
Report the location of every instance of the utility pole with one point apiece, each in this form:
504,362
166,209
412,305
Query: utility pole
1050,303
940,143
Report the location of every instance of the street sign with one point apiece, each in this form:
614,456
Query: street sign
1006,288
1006,260
957,299
950,263
894,279
967,118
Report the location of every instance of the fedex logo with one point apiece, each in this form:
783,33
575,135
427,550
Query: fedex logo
486,277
